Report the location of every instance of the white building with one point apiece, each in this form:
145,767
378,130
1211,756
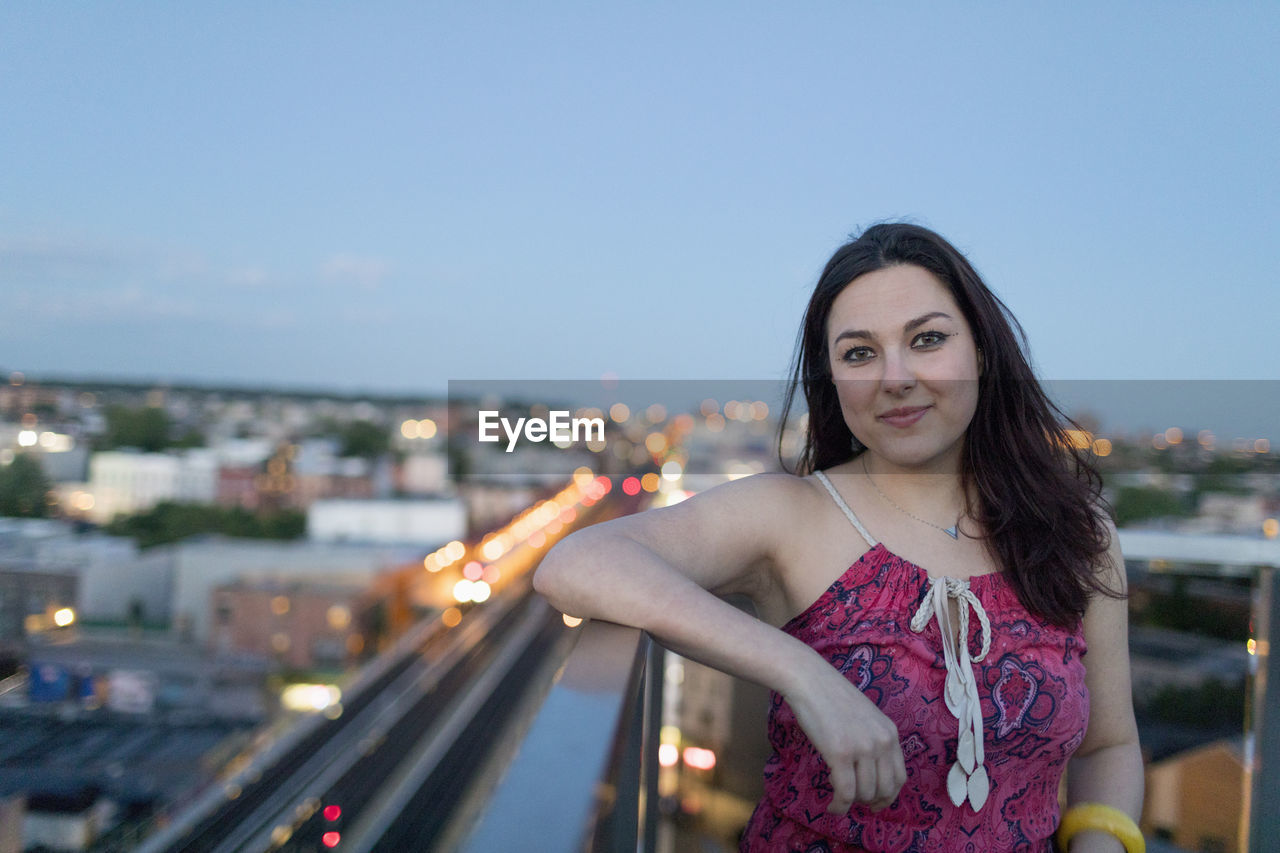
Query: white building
1227,513
127,481
426,523
243,452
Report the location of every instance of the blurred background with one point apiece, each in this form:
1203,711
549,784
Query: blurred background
260,268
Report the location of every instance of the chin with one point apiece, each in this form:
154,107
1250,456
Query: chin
917,453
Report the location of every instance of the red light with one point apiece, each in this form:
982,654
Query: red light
701,759
605,484
631,486
332,812
331,839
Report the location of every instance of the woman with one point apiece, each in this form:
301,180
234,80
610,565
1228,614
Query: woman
914,708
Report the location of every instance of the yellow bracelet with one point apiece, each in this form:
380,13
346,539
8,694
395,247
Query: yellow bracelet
1105,819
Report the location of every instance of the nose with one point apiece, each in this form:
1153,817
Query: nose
898,377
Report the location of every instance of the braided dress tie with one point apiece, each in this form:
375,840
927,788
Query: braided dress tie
967,778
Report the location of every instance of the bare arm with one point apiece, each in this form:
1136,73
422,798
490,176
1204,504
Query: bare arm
608,572
1108,766
662,570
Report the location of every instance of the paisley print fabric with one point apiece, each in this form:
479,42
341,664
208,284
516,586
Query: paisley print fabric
1034,705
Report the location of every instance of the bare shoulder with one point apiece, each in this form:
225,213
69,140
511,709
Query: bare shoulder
772,493
1107,610
728,539
1110,568
761,510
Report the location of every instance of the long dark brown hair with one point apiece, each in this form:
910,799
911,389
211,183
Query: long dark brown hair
1039,497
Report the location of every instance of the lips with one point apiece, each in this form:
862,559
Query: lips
904,417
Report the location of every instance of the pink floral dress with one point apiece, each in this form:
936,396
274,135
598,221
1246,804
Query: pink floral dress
986,727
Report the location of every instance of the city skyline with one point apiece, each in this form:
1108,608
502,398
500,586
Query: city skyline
381,200
1229,412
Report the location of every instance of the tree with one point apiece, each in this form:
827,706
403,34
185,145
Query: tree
1138,503
146,429
172,522
362,438
24,488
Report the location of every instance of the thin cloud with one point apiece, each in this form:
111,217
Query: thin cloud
52,259
55,260
364,272
252,276
97,306
58,280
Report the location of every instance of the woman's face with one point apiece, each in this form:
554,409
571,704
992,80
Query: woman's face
905,366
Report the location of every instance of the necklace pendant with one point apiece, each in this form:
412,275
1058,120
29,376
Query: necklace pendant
951,531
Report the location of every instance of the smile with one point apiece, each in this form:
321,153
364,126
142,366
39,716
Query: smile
904,417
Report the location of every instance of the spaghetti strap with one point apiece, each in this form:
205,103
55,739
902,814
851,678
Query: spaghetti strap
822,478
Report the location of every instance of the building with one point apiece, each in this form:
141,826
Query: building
240,463
491,505
202,564
29,598
299,624
80,773
1229,513
296,475
60,455
424,473
114,581
126,482
1196,798
1160,657
425,523
148,677
67,821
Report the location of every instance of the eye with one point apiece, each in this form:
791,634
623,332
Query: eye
856,355
928,340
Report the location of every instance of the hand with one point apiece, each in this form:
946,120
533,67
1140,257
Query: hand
858,742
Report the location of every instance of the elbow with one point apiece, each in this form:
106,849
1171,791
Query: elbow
553,578
544,576
1121,744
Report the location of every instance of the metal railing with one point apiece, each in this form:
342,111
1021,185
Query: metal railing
586,774
1259,560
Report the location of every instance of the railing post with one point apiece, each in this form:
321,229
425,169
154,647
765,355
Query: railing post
655,676
632,821
1262,743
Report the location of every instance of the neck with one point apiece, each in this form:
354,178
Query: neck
935,491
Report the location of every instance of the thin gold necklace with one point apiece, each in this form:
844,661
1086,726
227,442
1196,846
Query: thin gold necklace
953,531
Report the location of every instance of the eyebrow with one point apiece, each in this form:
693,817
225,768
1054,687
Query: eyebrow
907,327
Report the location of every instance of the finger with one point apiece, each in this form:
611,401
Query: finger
843,787
899,769
887,780
879,805
865,771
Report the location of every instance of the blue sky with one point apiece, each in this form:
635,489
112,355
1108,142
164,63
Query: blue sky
387,196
